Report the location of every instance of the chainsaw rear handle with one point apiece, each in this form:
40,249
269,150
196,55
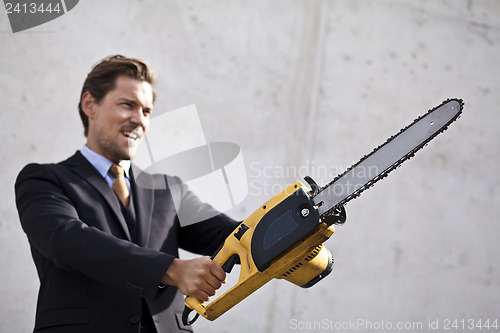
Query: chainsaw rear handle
228,267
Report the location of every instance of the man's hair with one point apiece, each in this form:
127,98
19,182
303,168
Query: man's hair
102,79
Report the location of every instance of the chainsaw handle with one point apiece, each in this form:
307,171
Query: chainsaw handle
227,266
185,316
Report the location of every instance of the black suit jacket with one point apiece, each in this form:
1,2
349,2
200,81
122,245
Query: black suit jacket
93,276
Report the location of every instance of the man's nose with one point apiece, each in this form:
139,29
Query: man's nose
138,117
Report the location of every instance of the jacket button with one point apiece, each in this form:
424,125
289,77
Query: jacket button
135,319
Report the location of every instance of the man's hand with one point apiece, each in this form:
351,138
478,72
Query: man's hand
199,277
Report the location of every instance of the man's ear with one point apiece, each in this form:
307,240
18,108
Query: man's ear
88,104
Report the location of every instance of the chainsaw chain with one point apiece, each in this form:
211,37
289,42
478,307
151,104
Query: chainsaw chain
355,194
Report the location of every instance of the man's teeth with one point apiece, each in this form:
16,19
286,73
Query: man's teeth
131,135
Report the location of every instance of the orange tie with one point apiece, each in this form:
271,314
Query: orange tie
119,185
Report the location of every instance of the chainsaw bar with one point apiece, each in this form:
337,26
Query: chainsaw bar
385,158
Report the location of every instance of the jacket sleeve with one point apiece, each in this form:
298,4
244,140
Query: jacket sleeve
51,222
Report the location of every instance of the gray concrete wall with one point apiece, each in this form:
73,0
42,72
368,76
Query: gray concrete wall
304,87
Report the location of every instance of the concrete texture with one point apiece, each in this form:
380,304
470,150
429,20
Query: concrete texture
304,87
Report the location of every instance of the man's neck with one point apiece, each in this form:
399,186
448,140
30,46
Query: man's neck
102,163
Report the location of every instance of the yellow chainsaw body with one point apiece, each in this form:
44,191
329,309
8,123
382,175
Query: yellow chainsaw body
300,263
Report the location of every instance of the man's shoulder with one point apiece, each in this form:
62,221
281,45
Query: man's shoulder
59,168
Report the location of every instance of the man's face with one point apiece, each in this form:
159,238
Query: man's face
119,121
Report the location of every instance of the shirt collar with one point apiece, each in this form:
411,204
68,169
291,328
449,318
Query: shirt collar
101,163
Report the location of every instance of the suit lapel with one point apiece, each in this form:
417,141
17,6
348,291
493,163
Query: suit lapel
82,167
143,202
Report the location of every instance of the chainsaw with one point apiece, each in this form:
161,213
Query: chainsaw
284,238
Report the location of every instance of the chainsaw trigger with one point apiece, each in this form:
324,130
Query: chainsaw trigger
229,264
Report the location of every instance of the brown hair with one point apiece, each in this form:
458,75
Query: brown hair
102,79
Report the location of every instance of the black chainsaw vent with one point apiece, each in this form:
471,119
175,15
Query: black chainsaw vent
293,269
314,253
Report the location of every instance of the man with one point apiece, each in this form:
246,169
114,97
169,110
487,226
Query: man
105,247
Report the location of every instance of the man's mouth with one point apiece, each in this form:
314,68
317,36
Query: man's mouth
131,135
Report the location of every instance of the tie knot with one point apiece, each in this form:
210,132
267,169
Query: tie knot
116,170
